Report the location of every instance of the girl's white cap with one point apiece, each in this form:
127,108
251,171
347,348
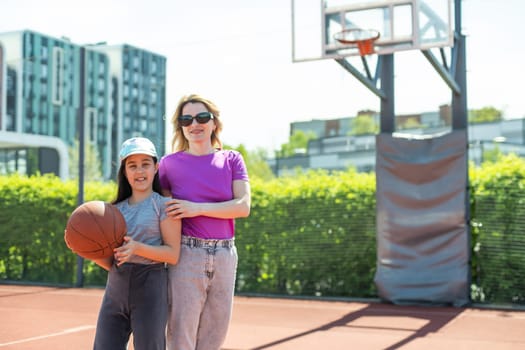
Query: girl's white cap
137,145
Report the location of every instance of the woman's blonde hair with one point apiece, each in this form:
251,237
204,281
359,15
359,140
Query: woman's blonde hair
179,142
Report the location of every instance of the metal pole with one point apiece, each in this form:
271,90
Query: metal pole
80,260
459,100
387,114
460,116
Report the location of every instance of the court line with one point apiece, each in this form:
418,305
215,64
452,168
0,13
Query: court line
65,331
88,292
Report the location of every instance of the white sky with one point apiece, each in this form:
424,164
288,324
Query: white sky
238,54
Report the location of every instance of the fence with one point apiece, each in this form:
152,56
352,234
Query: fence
298,240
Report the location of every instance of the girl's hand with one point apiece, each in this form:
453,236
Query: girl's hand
124,253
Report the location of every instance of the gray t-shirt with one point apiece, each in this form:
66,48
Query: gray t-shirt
143,222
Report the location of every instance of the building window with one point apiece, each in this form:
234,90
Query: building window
43,72
43,52
15,161
58,75
43,91
143,125
143,110
100,102
101,84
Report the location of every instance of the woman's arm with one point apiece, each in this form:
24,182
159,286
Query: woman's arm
238,207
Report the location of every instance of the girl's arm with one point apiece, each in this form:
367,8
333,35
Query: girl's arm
168,252
238,207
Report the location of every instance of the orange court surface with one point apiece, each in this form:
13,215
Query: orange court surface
52,318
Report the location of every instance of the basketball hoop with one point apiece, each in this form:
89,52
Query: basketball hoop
363,38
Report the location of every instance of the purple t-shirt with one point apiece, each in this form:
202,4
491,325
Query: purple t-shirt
203,179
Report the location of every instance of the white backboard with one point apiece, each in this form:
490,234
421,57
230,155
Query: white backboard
402,24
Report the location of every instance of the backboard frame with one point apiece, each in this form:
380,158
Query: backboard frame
403,25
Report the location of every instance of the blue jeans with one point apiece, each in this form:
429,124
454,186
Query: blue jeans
201,286
135,300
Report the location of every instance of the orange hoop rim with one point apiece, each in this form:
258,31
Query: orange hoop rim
372,36
363,38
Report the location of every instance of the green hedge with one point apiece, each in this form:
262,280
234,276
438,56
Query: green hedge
33,214
312,234
498,231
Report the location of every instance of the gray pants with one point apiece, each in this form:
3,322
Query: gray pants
135,300
201,286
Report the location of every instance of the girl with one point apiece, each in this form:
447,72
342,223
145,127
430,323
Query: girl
136,296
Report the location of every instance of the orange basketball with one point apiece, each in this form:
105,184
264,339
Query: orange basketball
94,229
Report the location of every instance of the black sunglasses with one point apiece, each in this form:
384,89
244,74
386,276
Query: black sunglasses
201,118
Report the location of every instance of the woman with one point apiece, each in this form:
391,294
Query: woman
136,296
210,188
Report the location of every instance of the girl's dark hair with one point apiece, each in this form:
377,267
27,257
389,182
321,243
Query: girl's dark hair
123,186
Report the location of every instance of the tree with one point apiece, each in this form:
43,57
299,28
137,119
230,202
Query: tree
298,142
364,125
491,155
484,115
411,123
255,162
257,165
92,165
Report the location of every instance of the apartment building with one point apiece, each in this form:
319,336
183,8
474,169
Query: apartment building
123,90
138,86
337,148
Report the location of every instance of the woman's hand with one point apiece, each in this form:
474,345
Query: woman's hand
178,209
